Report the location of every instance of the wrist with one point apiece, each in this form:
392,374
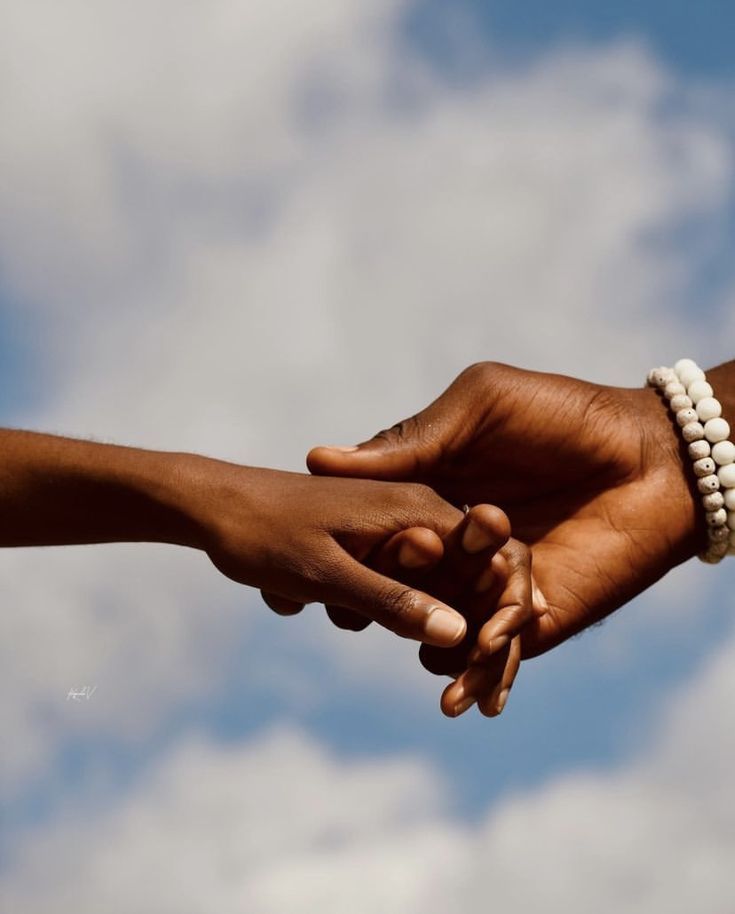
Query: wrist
229,513
181,488
664,456
217,502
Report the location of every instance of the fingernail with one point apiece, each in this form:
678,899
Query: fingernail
475,538
463,705
342,449
502,699
485,581
445,626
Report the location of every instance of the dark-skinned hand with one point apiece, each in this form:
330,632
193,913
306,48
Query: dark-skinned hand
586,474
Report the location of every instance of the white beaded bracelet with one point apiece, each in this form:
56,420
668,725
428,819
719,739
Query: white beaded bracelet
699,415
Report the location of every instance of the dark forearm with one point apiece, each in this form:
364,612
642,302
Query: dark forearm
58,491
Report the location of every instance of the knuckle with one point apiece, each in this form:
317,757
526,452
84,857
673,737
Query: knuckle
399,605
431,507
412,501
482,373
519,555
421,494
401,431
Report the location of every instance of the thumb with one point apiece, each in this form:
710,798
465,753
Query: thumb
395,453
407,612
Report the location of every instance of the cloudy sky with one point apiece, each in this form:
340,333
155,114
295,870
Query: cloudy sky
246,228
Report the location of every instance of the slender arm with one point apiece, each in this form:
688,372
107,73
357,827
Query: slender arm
59,491
294,536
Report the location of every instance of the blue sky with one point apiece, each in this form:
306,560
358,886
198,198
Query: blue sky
692,38
91,350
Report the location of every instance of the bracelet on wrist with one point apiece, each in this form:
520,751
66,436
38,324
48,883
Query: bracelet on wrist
707,434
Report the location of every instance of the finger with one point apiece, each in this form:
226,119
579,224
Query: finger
474,682
474,563
468,550
395,453
281,605
404,610
485,528
495,697
347,619
446,661
492,583
541,616
515,606
414,548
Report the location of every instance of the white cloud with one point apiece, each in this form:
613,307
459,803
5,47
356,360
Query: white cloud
237,239
656,836
280,824
144,628
248,828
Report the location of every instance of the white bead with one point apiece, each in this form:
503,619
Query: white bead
660,377
680,401
708,484
718,534
673,388
727,476
729,495
693,432
690,375
709,408
683,364
699,449
716,430
716,518
709,558
704,467
685,416
719,549
713,502
698,390
723,453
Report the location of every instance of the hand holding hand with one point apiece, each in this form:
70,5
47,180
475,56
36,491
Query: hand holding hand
304,539
488,578
590,476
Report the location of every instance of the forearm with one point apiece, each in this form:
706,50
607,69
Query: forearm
59,491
